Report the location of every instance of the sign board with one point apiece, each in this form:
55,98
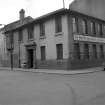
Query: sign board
89,38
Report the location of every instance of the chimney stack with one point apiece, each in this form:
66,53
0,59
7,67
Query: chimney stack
22,14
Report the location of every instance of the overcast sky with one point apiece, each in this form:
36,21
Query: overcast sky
9,9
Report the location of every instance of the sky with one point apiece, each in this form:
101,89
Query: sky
9,9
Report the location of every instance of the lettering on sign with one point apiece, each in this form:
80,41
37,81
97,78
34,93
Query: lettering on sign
89,38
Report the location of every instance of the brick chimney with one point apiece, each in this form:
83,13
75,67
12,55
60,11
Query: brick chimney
22,14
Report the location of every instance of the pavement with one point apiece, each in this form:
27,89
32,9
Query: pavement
53,71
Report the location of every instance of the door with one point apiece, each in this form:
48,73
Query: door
30,58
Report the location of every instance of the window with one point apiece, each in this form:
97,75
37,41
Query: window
59,49
77,50
99,29
101,51
93,28
30,32
42,29
94,51
20,35
104,30
84,27
9,40
43,55
86,51
58,24
75,24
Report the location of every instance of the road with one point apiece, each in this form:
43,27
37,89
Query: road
27,88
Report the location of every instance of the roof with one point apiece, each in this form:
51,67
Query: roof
94,8
27,20
59,11
17,24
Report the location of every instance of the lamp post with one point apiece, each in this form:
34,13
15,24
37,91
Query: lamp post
12,58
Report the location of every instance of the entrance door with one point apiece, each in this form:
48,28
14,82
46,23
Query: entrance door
30,58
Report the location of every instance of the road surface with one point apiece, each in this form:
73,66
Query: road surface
27,88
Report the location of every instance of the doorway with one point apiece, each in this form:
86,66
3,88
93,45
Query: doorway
30,58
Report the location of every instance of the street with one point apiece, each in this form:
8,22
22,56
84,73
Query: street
27,88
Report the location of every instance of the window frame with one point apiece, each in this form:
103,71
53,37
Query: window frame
30,32
75,25
84,26
42,29
43,53
58,24
20,35
59,51
77,51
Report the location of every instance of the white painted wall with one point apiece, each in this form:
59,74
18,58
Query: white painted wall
51,38
3,51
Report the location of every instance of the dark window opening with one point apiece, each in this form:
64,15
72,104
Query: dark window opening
86,51
93,28
58,24
59,48
77,51
42,29
101,52
43,53
30,32
84,27
75,25
20,36
94,51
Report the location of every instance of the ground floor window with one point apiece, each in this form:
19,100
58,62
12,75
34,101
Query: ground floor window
43,53
76,51
86,51
94,51
59,49
101,52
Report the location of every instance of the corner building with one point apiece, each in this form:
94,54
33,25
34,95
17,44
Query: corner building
63,39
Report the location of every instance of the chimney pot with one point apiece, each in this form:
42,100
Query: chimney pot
22,14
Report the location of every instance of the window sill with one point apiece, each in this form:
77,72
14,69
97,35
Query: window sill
42,37
20,41
30,39
59,60
59,34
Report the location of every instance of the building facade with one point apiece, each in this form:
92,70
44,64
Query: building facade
3,50
63,39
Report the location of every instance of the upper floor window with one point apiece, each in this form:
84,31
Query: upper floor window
84,27
11,38
75,24
59,49
58,24
99,29
42,29
20,35
93,28
30,32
